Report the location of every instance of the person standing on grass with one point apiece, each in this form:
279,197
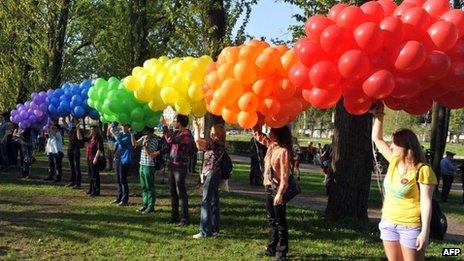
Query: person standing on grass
311,152
409,185
296,149
124,145
277,164
180,147
214,149
74,155
23,138
54,149
149,143
95,149
447,170
257,152
112,145
4,161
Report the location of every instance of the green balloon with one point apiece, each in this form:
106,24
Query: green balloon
124,118
121,86
93,93
100,82
137,114
113,80
137,126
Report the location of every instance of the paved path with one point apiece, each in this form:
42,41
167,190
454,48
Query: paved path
455,227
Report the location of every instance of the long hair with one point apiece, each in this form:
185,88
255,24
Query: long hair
407,139
284,139
220,131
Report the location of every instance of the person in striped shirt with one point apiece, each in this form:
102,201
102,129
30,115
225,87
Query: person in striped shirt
149,144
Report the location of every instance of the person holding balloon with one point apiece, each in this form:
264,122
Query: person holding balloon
23,138
54,149
277,164
94,149
409,186
124,145
74,154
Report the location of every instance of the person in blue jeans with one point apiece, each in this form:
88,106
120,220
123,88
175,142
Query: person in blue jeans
214,148
124,145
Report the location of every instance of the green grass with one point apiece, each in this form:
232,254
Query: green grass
39,220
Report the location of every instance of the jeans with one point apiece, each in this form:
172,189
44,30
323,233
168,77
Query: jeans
94,175
74,157
277,221
55,168
26,159
447,182
209,215
122,172
147,181
178,190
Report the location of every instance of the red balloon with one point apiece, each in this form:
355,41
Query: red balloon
350,17
409,56
416,22
314,26
452,100
368,37
388,6
457,52
414,2
379,85
322,99
433,92
357,108
454,81
298,75
336,40
436,8
418,105
292,107
381,60
401,9
353,64
443,34
436,66
394,104
335,11
269,106
353,92
392,30
309,52
374,11
324,75
277,121
455,17
406,86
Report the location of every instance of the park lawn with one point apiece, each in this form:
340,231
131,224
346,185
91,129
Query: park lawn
39,220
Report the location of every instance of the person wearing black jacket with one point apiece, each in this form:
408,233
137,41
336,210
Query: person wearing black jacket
74,155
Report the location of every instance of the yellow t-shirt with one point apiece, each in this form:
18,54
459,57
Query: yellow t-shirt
401,204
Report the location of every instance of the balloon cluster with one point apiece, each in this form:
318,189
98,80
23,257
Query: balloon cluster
406,55
32,113
117,104
71,99
251,80
173,82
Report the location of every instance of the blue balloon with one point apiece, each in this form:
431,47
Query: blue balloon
79,112
94,114
76,98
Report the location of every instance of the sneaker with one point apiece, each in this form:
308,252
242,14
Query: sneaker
142,209
148,211
116,201
199,235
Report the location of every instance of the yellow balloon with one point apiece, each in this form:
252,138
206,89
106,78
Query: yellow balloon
157,105
199,109
148,82
162,78
195,93
137,71
150,62
169,95
206,58
163,59
195,77
153,68
132,83
143,95
182,107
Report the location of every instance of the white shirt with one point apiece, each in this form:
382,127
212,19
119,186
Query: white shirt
54,143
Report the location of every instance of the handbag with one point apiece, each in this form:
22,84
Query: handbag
293,188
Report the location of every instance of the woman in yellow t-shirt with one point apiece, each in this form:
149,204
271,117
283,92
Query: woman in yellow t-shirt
407,206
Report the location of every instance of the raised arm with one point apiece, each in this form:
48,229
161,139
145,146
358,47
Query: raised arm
201,143
377,133
260,136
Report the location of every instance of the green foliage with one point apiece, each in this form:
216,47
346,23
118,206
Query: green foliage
456,124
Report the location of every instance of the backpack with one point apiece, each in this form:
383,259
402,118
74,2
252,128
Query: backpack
438,222
226,166
159,160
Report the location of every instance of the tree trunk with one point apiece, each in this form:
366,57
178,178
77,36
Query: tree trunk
216,20
57,45
352,163
440,124
139,31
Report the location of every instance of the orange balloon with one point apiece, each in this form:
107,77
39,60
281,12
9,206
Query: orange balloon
231,54
209,95
247,87
282,49
247,119
225,71
211,67
269,106
267,62
228,93
229,115
292,106
214,108
212,80
288,59
277,121
284,89
248,102
248,52
263,87
245,72
261,45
